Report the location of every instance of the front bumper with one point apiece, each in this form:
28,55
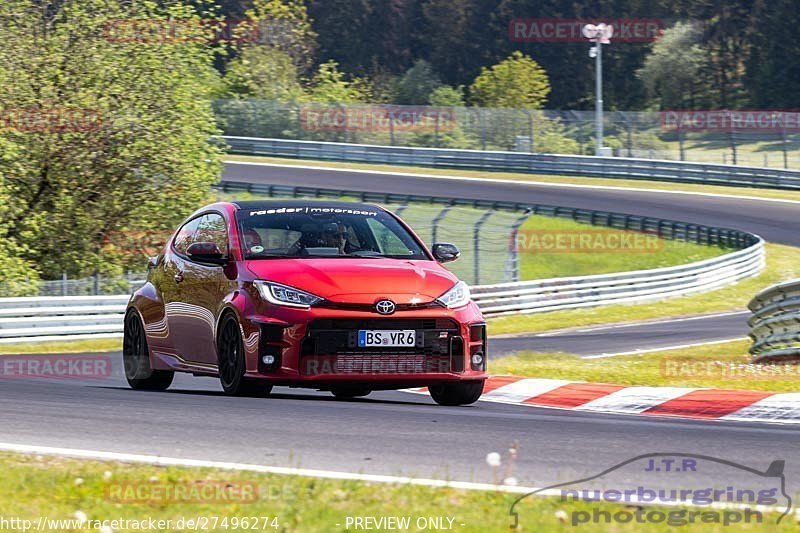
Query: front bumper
317,347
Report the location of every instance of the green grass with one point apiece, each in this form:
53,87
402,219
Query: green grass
35,486
783,263
721,366
546,178
537,263
76,346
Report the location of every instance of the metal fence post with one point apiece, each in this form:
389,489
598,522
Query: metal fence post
63,284
391,128
732,138
476,241
785,145
482,122
96,283
512,264
437,219
528,113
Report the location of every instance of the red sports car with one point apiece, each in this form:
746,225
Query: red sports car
335,296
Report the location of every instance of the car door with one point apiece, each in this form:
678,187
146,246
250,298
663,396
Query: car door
173,266
203,290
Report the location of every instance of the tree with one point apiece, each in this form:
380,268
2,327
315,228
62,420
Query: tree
108,135
341,25
517,81
447,96
265,73
672,73
286,26
330,85
773,64
439,38
416,85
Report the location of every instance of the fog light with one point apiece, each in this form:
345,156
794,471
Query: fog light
268,360
477,359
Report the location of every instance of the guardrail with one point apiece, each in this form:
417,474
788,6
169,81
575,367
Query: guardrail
54,318
775,323
591,166
628,287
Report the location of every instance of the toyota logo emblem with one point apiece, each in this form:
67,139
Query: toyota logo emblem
385,307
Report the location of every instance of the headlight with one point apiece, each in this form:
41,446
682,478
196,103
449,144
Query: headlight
458,296
278,294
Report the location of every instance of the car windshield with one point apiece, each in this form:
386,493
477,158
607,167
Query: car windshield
322,231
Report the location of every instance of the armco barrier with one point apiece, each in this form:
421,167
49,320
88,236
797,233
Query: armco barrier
606,167
627,287
775,323
27,319
55,317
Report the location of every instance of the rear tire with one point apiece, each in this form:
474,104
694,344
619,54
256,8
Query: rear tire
460,393
136,358
353,391
231,364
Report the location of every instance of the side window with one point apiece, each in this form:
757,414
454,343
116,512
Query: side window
212,228
184,236
388,241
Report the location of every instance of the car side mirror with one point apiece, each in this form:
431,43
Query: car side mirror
206,252
444,252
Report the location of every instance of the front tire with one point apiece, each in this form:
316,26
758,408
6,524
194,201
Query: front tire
460,393
231,363
136,358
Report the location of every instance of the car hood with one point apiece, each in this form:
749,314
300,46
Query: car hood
359,280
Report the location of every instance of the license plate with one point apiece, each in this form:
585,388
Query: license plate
387,337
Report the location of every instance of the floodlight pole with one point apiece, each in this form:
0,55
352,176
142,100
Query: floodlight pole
599,35
598,105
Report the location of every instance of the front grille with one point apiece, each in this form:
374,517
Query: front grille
370,308
331,346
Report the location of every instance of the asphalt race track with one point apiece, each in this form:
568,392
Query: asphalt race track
599,341
401,433
390,433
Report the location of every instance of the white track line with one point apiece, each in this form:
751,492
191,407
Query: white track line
519,182
244,467
663,348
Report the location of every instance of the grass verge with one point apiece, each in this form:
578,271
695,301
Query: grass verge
76,346
718,366
545,178
601,254
783,263
39,486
